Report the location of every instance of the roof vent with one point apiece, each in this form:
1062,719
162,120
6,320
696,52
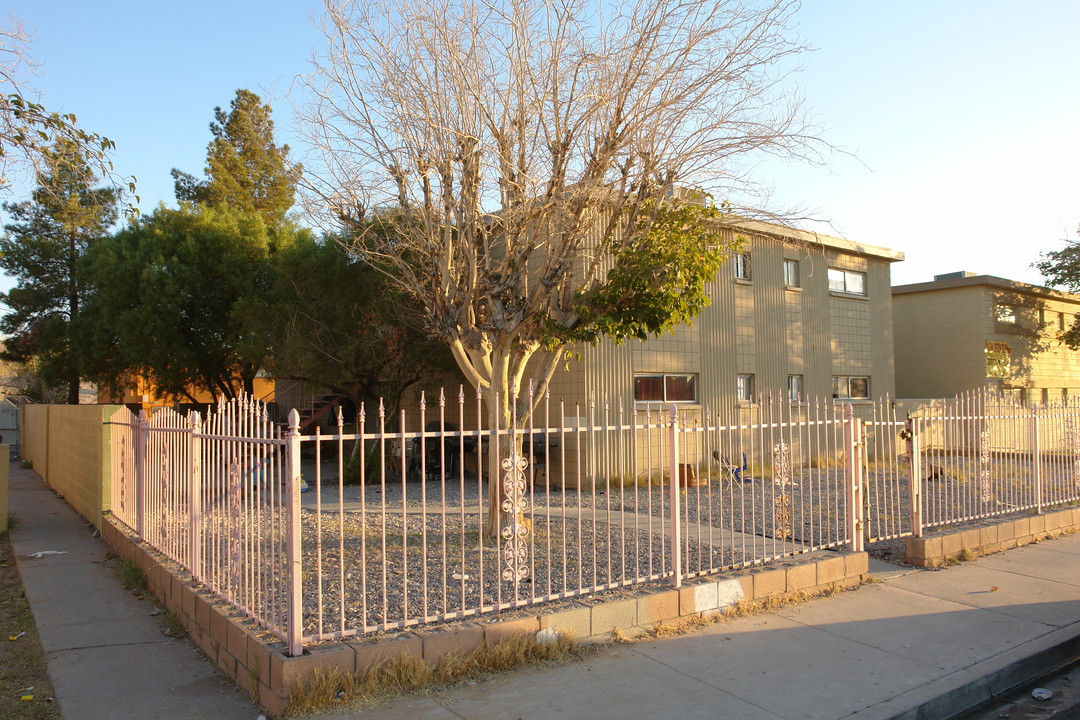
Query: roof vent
954,275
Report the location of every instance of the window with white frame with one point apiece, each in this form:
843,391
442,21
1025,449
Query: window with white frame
744,387
742,266
665,387
851,387
851,282
791,273
795,388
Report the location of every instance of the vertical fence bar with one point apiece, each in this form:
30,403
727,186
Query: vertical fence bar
293,573
676,523
855,483
915,479
1036,460
142,433
195,499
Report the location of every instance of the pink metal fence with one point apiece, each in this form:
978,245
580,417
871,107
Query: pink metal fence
982,455
217,497
397,528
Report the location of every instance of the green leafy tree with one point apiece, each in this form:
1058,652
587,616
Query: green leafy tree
245,169
339,323
1061,268
170,300
46,240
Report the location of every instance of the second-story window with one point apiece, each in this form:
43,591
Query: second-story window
1005,314
742,266
847,281
791,273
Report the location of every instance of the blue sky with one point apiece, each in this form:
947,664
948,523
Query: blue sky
962,115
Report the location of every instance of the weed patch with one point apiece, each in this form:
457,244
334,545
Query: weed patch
337,689
22,661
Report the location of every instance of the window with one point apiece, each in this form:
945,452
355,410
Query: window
998,359
791,273
847,281
794,388
851,387
1005,314
742,266
665,388
1061,321
744,388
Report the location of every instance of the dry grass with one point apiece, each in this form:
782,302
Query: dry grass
339,690
22,661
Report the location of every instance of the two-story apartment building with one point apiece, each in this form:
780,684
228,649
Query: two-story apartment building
793,313
965,332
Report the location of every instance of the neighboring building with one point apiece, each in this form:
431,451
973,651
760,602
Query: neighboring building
793,313
139,391
965,332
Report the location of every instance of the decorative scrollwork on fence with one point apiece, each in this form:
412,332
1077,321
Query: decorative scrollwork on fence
985,484
123,478
516,529
163,528
781,457
236,532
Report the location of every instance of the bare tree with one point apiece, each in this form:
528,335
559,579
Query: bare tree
519,162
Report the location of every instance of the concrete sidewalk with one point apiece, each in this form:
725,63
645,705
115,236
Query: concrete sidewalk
919,645
108,656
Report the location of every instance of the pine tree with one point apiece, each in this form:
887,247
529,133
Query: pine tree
245,170
43,249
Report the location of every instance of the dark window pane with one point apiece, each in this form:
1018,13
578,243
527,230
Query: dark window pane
681,388
649,388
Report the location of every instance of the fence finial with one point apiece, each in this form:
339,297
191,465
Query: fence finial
294,420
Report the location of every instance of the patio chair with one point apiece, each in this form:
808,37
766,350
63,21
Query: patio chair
730,471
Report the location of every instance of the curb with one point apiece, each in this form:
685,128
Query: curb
965,689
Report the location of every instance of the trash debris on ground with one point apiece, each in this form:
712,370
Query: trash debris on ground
16,637
1042,694
43,553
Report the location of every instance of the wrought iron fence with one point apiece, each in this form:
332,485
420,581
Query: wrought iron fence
415,518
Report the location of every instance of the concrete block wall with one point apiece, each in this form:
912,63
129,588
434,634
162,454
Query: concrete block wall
259,665
939,548
5,480
68,446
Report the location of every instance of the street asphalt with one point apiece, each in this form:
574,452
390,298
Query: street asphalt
919,645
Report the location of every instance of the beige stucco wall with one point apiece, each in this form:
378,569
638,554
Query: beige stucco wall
68,446
5,484
939,341
941,335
